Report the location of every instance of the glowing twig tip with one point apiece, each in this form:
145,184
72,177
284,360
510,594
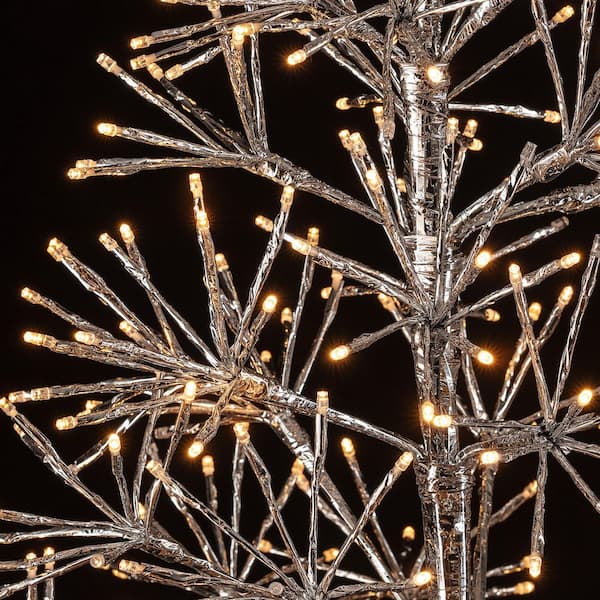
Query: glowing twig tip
340,352
347,446
409,534
108,129
269,304
114,444
297,57
485,357
208,466
570,260
584,397
483,259
195,449
489,457
427,411
422,578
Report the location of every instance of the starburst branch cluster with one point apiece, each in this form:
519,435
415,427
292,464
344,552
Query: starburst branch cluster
186,389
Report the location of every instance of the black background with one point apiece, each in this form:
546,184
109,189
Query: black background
54,94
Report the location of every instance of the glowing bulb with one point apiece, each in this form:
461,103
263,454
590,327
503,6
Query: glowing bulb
313,236
201,219
208,465
195,449
297,57
174,72
435,74
90,405
196,186
241,432
131,566
442,421
378,115
422,578
286,315
373,180
551,116
301,246
265,546
330,554
427,411
263,222
409,534
221,261
485,357
326,292
570,260
108,242
523,587
535,565
534,311
270,304
32,337
476,145
49,552
471,128
347,447
401,183
483,259
189,391
565,296
143,41
287,195
57,250
491,315
322,402
155,71
340,352
584,397
344,136
30,295
97,561
297,467
86,337
403,462
489,457
342,104
127,234
114,444
266,356
66,423
530,490
108,129
565,13
357,144
452,130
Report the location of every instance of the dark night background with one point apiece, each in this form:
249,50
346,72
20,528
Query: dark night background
55,93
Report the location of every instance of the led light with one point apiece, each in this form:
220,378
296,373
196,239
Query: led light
297,57
534,311
90,405
330,554
86,337
142,512
452,130
373,179
297,467
387,302
340,352
489,457
57,250
348,447
442,421
97,561
195,182
476,145
344,136
570,260
401,183
409,533
127,234
584,397
221,261
265,546
326,292
195,449
108,242
108,129
131,566
524,587
66,423
155,71
286,316
565,13
566,295
7,407
241,432
471,128
534,565
342,104
403,462
378,116
530,490
208,465
49,552
266,356
313,236
174,72
270,304
322,402
287,195
483,259
263,222
114,444
435,74
427,411
551,116
358,145
485,357
422,578
491,315
143,41
189,391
